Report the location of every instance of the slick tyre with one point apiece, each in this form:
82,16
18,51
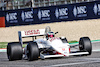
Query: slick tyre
14,51
33,51
85,45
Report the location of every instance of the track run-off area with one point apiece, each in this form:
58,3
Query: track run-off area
72,61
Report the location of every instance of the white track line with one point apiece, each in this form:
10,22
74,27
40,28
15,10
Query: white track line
67,64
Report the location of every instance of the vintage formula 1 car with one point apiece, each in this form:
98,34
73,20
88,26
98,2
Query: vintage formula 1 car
46,47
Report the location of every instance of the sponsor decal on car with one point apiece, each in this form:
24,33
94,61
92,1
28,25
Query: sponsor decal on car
54,38
63,49
31,32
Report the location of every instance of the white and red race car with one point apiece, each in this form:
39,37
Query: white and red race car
46,47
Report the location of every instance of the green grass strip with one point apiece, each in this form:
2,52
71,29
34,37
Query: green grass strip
95,40
4,44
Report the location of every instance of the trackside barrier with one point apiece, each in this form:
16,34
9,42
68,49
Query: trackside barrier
2,21
67,12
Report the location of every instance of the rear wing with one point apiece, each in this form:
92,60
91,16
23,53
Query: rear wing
30,33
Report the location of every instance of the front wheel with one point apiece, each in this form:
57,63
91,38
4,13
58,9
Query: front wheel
85,45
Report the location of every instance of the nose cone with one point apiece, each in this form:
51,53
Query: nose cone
60,47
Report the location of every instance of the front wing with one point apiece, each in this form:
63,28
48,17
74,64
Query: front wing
61,55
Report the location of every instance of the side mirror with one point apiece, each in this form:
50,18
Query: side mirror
56,32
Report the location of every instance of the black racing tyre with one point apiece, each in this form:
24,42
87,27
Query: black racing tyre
14,51
33,51
85,45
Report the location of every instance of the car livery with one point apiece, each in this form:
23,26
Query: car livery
45,47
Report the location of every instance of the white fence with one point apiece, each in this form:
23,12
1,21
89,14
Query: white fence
18,4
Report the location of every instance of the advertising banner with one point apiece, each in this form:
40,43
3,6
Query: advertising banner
19,17
67,12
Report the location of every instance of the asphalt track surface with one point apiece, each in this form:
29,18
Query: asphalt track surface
72,61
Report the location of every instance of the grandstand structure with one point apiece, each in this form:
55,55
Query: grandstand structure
19,4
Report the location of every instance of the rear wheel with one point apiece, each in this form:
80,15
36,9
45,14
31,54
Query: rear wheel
33,51
14,51
85,45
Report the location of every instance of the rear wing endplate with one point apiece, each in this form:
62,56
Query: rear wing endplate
30,33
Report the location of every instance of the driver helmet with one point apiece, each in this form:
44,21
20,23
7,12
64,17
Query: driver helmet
50,34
